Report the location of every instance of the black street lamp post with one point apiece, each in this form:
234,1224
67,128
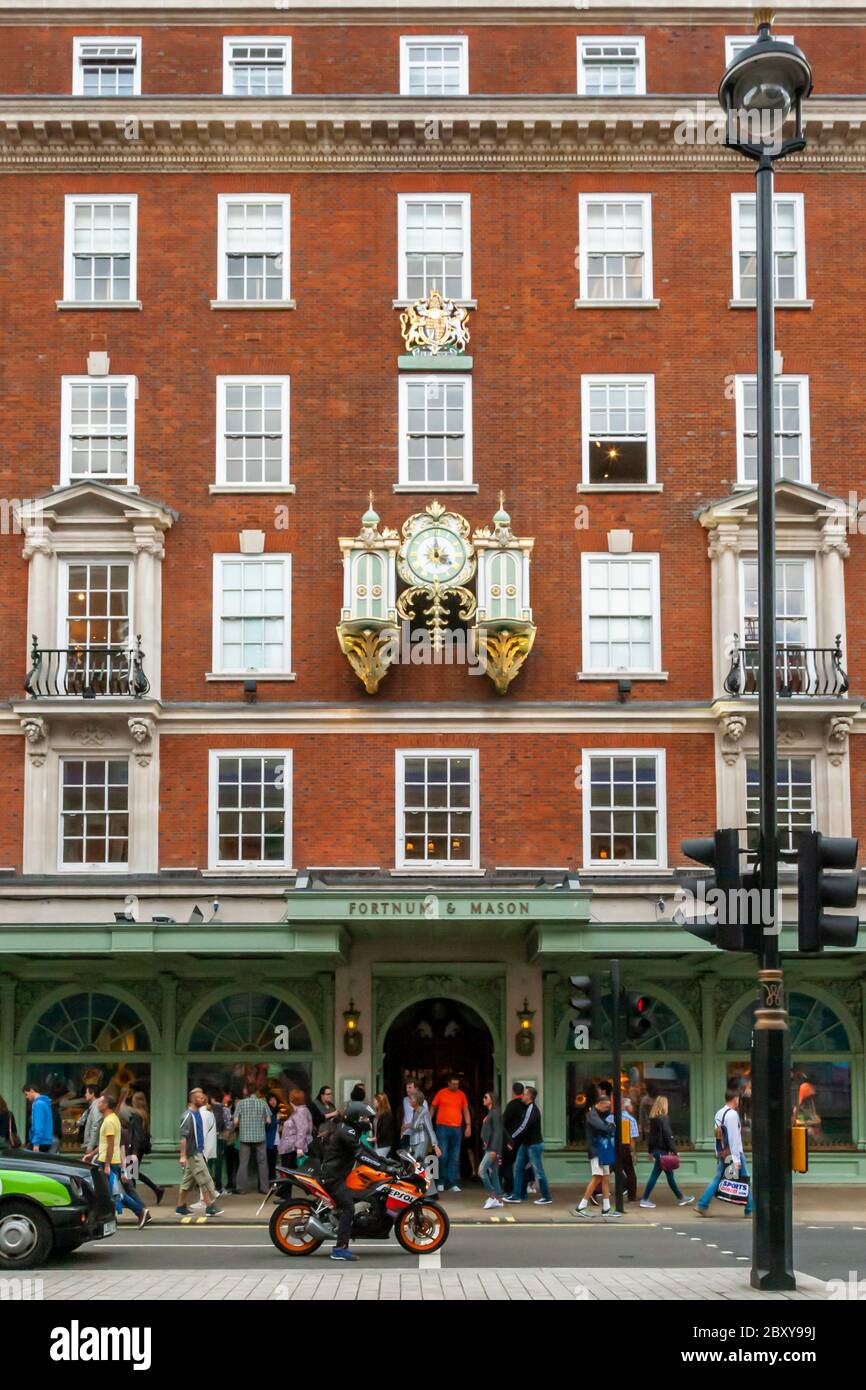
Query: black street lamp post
765,85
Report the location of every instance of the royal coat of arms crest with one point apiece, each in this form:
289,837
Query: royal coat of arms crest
434,325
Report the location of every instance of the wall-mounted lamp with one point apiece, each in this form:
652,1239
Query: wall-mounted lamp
524,1041
250,692
623,691
353,1041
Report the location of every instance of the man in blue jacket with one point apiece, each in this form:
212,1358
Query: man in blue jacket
41,1134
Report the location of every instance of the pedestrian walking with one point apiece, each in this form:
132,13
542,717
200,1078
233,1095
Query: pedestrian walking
601,1151
322,1107
90,1119
211,1137
450,1114
421,1134
9,1137
729,1150
192,1157
272,1135
511,1118
627,1150
407,1107
40,1135
384,1126
110,1156
664,1150
137,1122
297,1132
530,1153
492,1139
217,1164
251,1119
230,1144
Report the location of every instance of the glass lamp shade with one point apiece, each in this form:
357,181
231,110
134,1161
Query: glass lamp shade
767,77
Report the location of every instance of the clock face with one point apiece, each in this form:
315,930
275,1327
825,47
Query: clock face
436,555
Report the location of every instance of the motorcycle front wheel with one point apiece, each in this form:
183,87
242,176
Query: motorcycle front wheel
422,1229
288,1228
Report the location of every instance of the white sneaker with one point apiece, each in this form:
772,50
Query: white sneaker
440,1186
455,1188
532,1188
683,1202
491,1202
651,1206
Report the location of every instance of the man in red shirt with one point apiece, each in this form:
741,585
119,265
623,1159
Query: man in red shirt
450,1114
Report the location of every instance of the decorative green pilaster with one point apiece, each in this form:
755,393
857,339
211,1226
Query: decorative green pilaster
167,1081
7,1045
705,1088
555,1119
323,1071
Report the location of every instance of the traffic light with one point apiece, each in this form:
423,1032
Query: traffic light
723,915
817,890
581,1001
638,1019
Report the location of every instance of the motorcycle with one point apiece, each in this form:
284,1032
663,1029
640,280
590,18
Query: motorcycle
391,1196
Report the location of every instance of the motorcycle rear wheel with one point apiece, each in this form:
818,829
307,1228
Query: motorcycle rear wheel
423,1229
282,1232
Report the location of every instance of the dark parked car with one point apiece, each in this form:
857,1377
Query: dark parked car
49,1204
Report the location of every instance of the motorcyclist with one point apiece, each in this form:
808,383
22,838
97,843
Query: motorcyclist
340,1148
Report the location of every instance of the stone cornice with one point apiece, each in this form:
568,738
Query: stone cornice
340,133
579,13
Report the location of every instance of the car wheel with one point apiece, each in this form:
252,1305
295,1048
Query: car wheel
26,1237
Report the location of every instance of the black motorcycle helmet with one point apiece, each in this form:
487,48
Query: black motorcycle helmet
359,1115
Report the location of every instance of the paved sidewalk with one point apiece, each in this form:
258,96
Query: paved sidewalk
834,1203
457,1285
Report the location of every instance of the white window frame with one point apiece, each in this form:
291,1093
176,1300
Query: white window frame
217,669
640,73
810,577
642,865
586,559
71,202
231,40
89,866
805,427
224,201
600,379
403,201
68,562
222,482
737,201
789,757
646,202
435,379
436,865
741,41
245,865
459,40
66,384
78,44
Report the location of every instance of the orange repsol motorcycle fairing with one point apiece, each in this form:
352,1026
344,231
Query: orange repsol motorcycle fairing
390,1195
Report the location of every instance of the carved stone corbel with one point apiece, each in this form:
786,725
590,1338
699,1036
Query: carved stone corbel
369,651
35,730
836,743
142,731
502,653
732,727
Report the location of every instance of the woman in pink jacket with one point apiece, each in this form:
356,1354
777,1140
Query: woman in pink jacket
296,1133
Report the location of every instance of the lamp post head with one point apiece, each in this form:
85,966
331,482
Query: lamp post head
762,86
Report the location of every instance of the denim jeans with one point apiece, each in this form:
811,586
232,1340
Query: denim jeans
530,1155
450,1138
713,1186
121,1194
656,1174
488,1172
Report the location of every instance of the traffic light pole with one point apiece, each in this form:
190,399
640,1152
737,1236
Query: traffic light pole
772,1240
616,1048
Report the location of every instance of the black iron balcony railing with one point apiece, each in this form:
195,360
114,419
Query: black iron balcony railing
814,671
88,672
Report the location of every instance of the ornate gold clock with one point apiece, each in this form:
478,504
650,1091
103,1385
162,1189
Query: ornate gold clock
436,560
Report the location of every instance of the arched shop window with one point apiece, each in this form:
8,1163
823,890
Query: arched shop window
253,1042
89,1023
88,1039
654,1064
820,1070
249,1023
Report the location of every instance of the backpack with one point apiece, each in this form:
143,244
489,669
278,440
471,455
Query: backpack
723,1147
